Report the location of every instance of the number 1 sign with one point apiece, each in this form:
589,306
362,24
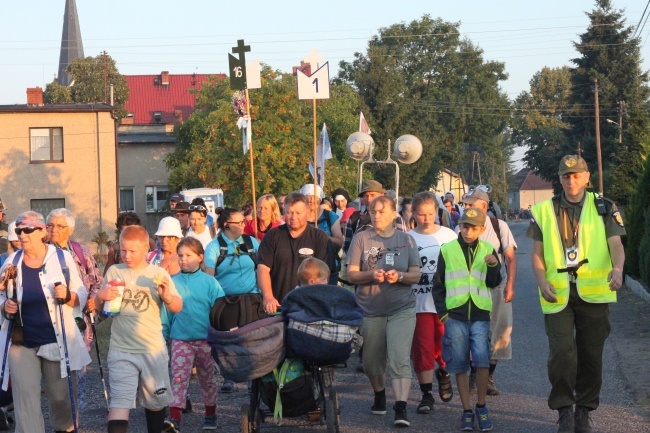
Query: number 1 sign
316,85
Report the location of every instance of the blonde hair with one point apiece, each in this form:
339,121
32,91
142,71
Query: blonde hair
313,269
135,233
275,209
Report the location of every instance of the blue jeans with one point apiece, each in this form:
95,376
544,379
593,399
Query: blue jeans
462,339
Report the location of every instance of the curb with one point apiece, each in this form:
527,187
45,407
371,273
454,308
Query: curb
637,288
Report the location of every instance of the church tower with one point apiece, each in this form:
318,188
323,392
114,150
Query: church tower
71,45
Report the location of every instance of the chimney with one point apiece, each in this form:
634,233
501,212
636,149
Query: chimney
34,96
164,78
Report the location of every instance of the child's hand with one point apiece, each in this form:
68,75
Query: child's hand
158,278
491,260
163,291
109,291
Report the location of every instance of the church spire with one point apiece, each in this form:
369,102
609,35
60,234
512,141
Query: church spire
71,45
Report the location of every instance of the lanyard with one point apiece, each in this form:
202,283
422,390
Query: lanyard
574,226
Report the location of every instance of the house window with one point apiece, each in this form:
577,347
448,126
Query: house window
127,199
156,198
46,144
46,205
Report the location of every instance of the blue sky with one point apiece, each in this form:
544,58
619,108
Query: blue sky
146,37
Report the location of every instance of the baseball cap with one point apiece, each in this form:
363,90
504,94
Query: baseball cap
176,197
476,194
182,207
572,164
169,226
473,216
371,186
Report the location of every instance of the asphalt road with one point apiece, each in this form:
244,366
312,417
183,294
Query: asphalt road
521,407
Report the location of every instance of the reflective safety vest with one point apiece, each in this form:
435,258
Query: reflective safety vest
592,245
462,283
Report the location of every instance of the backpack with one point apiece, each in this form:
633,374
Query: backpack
234,311
497,230
247,249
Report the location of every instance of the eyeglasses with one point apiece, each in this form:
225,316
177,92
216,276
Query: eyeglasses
57,226
239,223
26,230
197,207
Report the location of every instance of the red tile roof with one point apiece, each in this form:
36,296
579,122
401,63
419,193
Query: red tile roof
148,95
528,179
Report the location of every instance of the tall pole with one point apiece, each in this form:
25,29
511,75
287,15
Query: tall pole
105,65
316,203
250,153
598,153
620,122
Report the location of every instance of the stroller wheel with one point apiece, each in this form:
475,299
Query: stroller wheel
332,413
245,419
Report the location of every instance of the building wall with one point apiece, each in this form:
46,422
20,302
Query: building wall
529,198
143,165
448,181
86,179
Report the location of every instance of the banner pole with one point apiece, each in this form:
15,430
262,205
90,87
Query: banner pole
250,153
316,202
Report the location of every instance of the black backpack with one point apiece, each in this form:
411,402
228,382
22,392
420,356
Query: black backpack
246,247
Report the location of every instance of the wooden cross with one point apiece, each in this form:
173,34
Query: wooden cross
241,48
314,59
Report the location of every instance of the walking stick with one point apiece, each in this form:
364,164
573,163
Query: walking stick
11,278
66,273
91,316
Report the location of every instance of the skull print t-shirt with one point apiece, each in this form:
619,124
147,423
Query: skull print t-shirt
370,251
138,328
429,248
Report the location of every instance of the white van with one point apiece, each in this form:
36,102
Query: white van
213,197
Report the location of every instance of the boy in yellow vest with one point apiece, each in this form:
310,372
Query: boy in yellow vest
467,269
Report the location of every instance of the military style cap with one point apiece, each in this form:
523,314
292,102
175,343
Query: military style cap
572,164
476,194
473,216
371,186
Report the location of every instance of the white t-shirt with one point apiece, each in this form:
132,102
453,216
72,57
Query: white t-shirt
204,237
429,249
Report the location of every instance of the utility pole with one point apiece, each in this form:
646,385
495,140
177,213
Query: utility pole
621,109
598,153
105,65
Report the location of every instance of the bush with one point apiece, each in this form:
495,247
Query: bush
644,251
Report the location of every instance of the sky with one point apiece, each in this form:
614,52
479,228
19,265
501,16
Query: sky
147,36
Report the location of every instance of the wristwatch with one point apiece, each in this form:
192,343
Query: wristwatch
400,278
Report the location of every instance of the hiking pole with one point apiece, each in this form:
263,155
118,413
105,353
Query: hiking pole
10,317
91,316
60,301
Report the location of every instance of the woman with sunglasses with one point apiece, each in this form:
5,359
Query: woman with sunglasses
41,355
233,267
198,227
268,217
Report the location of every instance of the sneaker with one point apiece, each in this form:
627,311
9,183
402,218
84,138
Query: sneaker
210,422
484,421
401,420
379,407
227,387
581,420
565,421
171,426
472,383
4,422
491,389
426,404
467,421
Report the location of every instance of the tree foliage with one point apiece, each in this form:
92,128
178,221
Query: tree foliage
637,222
422,78
209,151
88,85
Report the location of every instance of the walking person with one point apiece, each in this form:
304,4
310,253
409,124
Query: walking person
199,229
188,332
383,262
38,357
169,235
268,217
426,349
577,260
467,268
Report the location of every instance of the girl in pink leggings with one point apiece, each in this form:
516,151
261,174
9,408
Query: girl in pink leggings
188,332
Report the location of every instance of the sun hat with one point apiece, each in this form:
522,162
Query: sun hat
169,226
309,190
371,186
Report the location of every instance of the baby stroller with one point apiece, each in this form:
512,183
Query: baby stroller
320,322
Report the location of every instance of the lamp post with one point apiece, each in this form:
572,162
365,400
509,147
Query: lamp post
620,129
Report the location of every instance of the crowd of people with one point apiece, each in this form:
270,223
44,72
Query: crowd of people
432,298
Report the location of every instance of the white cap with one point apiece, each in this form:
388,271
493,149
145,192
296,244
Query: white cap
169,226
11,232
309,190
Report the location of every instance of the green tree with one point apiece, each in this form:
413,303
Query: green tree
540,120
56,93
609,53
88,85
636,222
421,78
209,151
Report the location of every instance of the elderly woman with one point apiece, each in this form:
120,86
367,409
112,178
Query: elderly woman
384,263
169,234
40,356
198,227
60,227
268,217
124,219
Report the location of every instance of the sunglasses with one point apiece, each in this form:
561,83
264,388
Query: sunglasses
239,223
26,230
197,207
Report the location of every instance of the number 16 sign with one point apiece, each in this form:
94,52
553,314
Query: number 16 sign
316,85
